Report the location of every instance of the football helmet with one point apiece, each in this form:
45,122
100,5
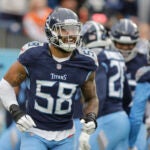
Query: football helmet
63,29
125,32
94,35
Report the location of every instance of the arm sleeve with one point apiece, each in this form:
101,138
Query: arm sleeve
137,110
7,94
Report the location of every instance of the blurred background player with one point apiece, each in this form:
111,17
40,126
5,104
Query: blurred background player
140,99
141,96
47,122
107,83
112,89
93,35
125,38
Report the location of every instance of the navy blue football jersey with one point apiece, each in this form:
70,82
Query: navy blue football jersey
53,85
111,82
133,65
143,74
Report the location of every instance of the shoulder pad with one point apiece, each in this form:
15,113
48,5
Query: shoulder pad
143,46
30,45
97,51
89,53
141,72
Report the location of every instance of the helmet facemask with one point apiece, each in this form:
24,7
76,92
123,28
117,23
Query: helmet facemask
125,32
66,36
129,53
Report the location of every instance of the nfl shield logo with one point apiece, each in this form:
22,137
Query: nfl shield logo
58,66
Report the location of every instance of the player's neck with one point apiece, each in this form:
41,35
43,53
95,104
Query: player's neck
58,53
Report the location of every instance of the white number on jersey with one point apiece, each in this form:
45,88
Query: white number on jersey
50,100
119,76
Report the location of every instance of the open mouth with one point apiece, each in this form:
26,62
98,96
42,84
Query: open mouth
69,40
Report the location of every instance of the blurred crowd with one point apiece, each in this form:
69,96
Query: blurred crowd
27,16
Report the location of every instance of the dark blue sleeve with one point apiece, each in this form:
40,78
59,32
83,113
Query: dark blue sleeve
101,85
29,52
127,97
143,74
26,58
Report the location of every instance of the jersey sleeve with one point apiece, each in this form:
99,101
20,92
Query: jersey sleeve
127,97
143,74
28,53
89,59
101,85
102,80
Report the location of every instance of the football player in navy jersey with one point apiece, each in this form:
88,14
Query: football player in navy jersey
141,96
125,38
93,35
54,71
112,90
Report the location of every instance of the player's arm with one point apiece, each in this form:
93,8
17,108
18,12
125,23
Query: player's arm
90,110
16,74
90,96
14,77
90,105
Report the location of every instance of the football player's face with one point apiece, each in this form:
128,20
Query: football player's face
124,47
68,37
69,33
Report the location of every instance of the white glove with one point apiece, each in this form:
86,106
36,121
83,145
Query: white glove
88,127
133,148
25,123
84,141
147,121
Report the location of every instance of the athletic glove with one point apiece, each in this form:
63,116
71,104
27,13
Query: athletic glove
84,141
23,121
89,123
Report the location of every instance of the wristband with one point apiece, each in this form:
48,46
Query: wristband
16,112
90,117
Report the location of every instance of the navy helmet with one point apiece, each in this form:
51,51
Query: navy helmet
94,35
125,31
63,29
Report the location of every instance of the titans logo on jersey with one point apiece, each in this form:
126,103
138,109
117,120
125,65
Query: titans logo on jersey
53,85
110,81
